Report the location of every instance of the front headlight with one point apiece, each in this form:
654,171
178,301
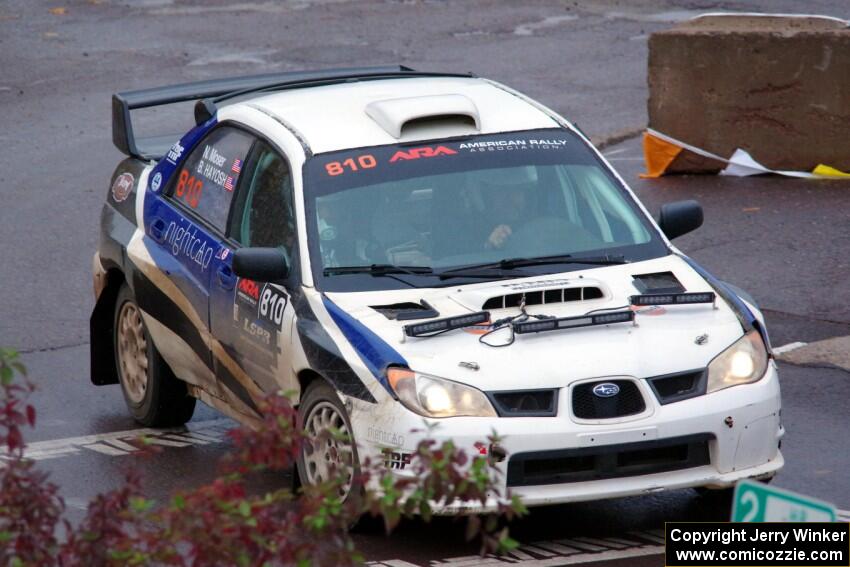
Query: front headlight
742,363
436,397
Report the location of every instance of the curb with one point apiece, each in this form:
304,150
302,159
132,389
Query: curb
604,141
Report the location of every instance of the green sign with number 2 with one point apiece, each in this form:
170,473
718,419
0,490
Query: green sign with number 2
758,502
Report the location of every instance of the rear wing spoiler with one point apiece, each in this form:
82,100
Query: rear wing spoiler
212,91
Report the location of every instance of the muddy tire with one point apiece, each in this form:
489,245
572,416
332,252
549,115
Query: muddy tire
321,410
154,396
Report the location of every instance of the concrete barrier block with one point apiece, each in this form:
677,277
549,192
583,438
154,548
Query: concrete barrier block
778,87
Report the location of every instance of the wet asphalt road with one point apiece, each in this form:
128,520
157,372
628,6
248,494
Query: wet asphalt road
783,240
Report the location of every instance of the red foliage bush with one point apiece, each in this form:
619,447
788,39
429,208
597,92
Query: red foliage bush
225,523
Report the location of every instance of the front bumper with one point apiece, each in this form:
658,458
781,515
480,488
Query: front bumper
742,424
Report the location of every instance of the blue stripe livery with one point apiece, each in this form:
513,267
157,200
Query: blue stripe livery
375,353
746,316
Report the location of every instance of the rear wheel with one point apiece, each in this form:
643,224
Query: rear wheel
154,396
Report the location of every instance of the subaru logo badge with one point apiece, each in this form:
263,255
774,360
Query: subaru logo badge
606,390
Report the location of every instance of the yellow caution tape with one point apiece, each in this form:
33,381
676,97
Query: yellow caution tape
828,171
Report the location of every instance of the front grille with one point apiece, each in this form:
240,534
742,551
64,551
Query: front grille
609,461
587,405
679,386
525,403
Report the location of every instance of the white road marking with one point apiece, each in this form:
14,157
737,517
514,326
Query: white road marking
581,545
605,543
119,443
165,442
465,560
552,553
521,555
556,547
529,560
626,542
122,445
614,152
186,439
105,449
203,437
537,550
789,347
604,556
649,536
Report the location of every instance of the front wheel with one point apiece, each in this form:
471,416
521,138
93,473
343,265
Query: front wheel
330,452
154,396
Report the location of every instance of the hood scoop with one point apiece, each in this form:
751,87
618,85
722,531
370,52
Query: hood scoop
543,297
406,311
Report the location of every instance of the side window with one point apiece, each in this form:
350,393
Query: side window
263,214
206,181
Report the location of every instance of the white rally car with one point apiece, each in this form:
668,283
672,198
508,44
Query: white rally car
400,246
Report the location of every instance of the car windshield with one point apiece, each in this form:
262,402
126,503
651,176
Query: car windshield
432,207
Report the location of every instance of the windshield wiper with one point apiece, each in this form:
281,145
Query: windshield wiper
379,270
513,263
390,270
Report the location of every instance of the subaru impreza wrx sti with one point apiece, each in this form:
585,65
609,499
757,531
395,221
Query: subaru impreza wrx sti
399,247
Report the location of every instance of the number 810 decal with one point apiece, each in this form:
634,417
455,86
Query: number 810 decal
272,305
365,161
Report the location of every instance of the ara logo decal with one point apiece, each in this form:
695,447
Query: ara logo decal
416,153
249,289
123,186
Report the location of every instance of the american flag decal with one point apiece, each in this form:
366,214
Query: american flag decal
228,183
237,166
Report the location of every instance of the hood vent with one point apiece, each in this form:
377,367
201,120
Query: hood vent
543,297
406,311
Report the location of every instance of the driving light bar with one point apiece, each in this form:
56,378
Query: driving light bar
446,324
553,324
673,298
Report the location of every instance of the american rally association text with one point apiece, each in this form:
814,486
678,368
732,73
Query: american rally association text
755,534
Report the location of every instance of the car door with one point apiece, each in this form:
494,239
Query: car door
186,223
254,319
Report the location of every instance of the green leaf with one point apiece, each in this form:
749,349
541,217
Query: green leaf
139,504
178,502
245,508
6,376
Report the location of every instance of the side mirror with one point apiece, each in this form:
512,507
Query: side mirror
260,264
680,218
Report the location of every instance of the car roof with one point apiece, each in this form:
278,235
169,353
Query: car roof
336,117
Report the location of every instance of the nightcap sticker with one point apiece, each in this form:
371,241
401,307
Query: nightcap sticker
123,186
